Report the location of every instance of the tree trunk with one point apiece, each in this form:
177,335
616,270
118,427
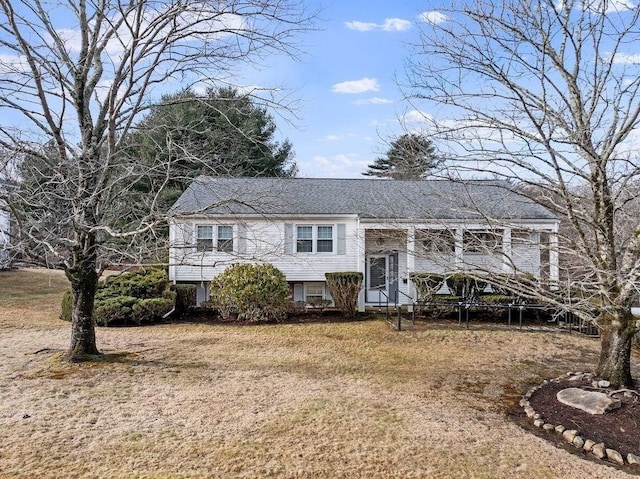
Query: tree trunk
615,350
84,283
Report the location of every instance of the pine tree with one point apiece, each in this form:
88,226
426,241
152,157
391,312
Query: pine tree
410,157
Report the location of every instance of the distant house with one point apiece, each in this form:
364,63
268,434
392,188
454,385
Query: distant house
5,233
385,229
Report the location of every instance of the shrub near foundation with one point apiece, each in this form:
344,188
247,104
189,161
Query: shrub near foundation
251,292
344,288
130,298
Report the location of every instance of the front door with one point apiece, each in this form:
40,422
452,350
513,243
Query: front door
377,278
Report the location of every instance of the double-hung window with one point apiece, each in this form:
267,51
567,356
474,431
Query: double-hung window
225,238
221,236
482,241
437,242
325,239
204,238
314,239
304,239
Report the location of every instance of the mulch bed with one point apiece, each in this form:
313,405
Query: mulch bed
618,429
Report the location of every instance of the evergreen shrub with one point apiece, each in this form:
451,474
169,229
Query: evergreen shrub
251,292
130,298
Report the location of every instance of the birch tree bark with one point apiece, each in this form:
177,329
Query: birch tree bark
544,94
75,77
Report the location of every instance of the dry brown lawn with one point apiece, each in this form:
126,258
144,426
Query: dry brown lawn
349,400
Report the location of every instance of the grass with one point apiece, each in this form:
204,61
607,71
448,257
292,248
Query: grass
340,400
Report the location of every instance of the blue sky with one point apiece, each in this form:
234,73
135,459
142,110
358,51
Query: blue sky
350,103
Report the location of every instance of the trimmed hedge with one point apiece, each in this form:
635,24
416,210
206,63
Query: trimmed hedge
251,292
427,284
344,287
130,298
186,297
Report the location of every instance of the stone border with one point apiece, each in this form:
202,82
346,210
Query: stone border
572,436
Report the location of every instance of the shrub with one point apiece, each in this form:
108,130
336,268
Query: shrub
151,309
186,297
508,284
460,284
427,284
344,288
465,285
129,298
253,292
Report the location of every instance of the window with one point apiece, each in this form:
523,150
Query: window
314,239
521,237
304,241
482,241
223,238
325,239
314,292
204,238
437,242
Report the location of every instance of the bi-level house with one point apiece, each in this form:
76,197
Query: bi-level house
385,229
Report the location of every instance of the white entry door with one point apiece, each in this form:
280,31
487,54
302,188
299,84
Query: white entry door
377,278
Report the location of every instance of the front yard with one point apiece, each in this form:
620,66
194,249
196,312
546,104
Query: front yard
339,400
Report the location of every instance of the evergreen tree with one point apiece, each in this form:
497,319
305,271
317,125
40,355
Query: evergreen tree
410,157
220,133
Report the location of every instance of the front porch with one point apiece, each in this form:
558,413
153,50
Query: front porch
388,256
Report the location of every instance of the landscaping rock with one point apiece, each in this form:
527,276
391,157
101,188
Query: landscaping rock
529,411
614,456
560,428
604,384
633,459
588,444
538,423
569,435
548,427
588,401
578,441
598,450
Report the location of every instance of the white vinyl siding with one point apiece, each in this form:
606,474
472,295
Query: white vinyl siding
264,241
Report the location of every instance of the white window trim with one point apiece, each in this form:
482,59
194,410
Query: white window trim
318,284
214,239
314,238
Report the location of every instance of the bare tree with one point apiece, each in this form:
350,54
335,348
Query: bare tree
545,94
74,77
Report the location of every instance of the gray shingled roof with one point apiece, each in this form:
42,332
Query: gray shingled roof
367,198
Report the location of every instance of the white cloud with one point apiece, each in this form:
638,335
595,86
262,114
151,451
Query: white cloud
361,26
389,25
619,6
627,59
193,24
356,86
373,101
434,17
416,116
396,25
10,64
337,137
